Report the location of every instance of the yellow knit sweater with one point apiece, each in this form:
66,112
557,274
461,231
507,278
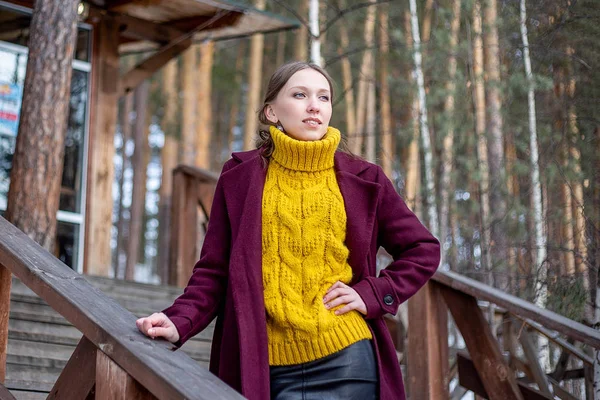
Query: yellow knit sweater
303,250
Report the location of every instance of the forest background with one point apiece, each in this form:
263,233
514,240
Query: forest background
484,114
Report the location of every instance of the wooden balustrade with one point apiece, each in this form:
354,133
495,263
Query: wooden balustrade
485,368
113,359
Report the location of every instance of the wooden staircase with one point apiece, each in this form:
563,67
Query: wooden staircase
41,341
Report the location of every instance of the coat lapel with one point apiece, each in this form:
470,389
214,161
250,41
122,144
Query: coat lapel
360,199
244,191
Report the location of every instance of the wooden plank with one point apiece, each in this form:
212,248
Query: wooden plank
149,66
531,355
560,392
103,114
469,378
201,175
519,307
428,365
565,344
498,379
82,365
166,374
561,366
5,394
141,29
112,382
5,283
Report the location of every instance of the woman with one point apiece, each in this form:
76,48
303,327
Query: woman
288,264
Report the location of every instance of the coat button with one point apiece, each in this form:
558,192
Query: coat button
388,299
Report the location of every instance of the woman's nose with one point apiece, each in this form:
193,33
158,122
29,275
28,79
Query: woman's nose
313,106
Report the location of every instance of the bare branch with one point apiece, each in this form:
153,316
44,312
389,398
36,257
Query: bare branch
348,10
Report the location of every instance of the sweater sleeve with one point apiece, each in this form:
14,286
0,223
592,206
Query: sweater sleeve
415,252
192,311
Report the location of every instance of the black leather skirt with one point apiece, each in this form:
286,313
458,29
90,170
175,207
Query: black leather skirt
349,374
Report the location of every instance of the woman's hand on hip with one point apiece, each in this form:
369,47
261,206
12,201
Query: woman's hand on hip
158,325
340,293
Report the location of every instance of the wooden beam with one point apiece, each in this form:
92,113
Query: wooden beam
469,378
5,394
103,113
141,29
184,219
226,19
531,355
112,382
498,379
115,4
428,365
565,344
149,66
82,366
5,283
519,307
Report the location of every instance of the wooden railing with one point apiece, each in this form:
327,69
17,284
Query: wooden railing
193,191
112,359
492,365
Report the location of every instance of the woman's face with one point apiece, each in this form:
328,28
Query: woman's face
303,106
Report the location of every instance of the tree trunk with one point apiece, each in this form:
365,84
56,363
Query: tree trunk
432,217
482,153
347,80
35,179
204,96
301,46
413,168
541,291
370,125
188,123
448,149
237,99
254,84
281,42
365,77
315,37
121,225
541,272
387,138
168,162
138,193
577,188
499,245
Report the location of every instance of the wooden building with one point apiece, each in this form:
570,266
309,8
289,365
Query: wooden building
107,29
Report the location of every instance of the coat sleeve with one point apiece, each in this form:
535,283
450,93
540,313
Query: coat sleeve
415,252
198,305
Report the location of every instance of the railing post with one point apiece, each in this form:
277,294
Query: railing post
184,222
112,382
428,364
5,282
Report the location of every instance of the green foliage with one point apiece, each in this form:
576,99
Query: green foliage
567,296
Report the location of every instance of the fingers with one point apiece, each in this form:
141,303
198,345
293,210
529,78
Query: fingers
147,323
341,294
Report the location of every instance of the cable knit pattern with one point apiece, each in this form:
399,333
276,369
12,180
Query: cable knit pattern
303,235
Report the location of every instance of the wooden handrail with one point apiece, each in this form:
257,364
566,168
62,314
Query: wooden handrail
106,324
520,307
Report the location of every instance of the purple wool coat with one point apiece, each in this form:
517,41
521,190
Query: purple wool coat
227,280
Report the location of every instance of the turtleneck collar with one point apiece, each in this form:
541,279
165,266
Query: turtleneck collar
299,155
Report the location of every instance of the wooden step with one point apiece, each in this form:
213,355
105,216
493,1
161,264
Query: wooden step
41,341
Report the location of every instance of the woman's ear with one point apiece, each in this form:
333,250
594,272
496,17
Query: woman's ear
270,114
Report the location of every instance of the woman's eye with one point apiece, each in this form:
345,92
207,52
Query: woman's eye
324,98
299,95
